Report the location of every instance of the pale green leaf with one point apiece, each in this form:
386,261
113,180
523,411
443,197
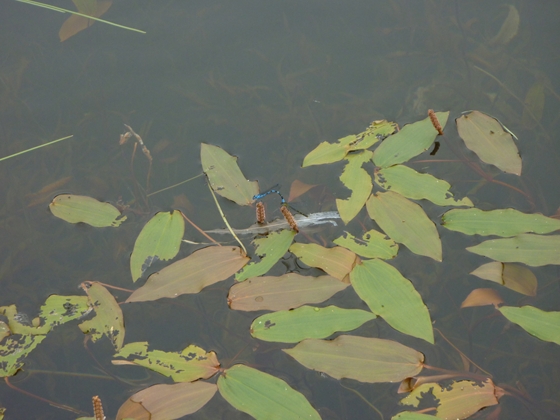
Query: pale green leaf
13,351
192,274
263,396
501,222
191,364
307,322
79,208
486,137
160,239
225,176
270,249
405,222
541,324
360,358
337,261
373,244
533,250
411,184
387,292
355,178
513,276
412,140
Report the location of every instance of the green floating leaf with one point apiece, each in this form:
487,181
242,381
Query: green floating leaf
270,249
359,358
167,401
409,415
263,396
411,184
502,222
225,176
533,250
281,293
337,261
406,223
387,292
486,137
355,178
334,152
79,208
373,244
160,239
192,274
191,364
13,351
513,276
412,140
541,324
307,322
108,318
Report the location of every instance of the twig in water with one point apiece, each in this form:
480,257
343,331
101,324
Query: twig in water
123,140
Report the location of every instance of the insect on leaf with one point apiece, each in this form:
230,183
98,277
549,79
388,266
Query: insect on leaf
79,208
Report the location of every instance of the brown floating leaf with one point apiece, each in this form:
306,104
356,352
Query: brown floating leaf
337,261
192,274
282,293
75,23
482,297
513,276
167,401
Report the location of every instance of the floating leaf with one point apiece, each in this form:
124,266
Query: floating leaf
161,237
502,222
13,351
263,396
486,137
270,249
307,322
167,401
355,178
75,23
108,318
512,276
191,364
387,292
411,184
459,400
482,297
281,293
373,244
191,274
225,176
412,140
337,261
79,208
541,324
406,223
359,358
409,415
533,250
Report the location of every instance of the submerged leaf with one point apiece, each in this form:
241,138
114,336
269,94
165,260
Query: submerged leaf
225,176
406,223
387,293
337,261
80,208
160,238
108,318
281,293
355,178
541,324
167,401
412,140
501,222
75,24
513,276
270,249
534,105
263,396
307,322
373,244
191,364
486,137
411,184
533,250
191,274
359,358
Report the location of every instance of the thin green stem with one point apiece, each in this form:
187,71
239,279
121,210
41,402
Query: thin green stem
36,147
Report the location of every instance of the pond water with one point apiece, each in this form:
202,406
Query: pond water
267,82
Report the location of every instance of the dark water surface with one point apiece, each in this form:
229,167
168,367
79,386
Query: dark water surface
267,81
